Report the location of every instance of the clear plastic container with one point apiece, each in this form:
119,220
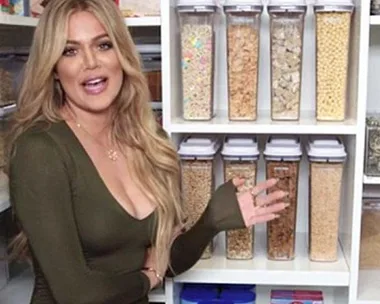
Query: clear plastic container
138,8
333,29
375,7
151,57
283,155
7,77
197,177
19,7
370,234
326,162
243,45
286,40
372,153
4,128
197,19
240,157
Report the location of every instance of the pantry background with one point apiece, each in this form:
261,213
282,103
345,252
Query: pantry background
342,282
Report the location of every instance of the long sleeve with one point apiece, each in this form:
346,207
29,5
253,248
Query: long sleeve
222,213
41,192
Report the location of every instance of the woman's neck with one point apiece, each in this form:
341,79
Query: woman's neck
96,123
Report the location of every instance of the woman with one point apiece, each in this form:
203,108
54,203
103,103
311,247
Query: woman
94,182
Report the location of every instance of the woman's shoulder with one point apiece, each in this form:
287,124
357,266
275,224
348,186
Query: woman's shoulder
41,137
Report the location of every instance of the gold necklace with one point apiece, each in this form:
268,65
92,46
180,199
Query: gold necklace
112,154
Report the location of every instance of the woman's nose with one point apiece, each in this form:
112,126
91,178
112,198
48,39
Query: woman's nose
90,59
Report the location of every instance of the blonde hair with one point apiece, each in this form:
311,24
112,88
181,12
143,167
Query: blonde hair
155,161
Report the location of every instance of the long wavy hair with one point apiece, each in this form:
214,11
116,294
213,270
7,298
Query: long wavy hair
155,162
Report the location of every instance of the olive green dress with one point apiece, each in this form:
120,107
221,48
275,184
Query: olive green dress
86,248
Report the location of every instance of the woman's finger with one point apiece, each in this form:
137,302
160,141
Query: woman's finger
260,187
270,209
270,198
262,219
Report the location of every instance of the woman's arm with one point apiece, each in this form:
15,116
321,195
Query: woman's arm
41,196
188,247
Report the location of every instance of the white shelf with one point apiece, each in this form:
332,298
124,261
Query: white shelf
264,125
18,20
30,21
300,272
374,20
369,287
371,180
143,21
157,296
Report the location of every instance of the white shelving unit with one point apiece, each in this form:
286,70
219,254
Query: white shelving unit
339,281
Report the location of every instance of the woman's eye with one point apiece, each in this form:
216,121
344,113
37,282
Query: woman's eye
105,46
69,52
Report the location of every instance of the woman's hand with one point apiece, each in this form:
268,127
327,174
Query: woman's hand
259,209
150,268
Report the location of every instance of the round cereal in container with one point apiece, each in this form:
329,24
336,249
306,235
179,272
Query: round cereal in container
197,155
287,18
333,30
197,19
240,157
282,156
243,36
326,158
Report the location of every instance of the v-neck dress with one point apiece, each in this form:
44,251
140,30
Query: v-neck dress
86,248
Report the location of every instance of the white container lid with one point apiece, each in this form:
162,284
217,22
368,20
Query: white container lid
326,148
205,146
283,147
240,146
286,2
196,2
243,2
148,48
333,2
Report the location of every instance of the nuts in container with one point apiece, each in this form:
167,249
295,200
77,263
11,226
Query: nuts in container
243,32
286,40
240,157
197,56
372,155
326,162
283,155
333,28
197,177
370,234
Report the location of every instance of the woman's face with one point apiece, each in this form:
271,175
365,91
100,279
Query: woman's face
89,69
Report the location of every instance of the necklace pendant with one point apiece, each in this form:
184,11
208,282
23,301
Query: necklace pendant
112,155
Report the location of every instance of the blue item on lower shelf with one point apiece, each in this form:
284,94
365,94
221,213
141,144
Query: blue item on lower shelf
239,286
200,286
197,295
238,296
